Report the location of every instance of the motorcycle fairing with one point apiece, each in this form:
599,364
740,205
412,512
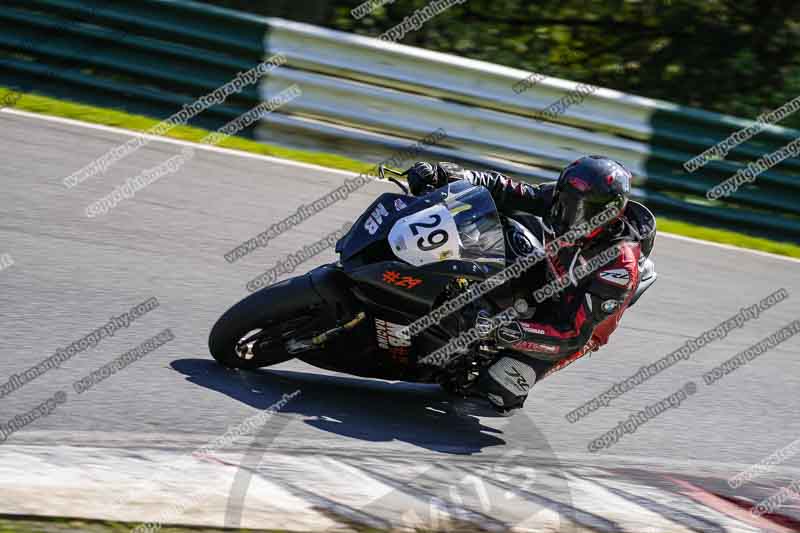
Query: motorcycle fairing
458,221
402,283
374,224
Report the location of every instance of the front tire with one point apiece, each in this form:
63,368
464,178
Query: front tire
286,309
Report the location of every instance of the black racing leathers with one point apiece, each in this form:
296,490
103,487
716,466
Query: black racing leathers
580,317
508,195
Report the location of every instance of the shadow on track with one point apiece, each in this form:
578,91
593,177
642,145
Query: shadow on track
515,464
359,408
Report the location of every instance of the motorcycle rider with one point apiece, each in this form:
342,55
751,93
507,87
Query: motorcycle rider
581,317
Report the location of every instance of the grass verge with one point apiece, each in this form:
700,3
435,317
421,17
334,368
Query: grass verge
724,236
40,524
31,524
108,117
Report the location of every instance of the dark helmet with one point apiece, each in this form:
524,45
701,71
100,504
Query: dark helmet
586,188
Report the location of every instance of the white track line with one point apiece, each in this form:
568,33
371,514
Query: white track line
310,166
728,247
169,140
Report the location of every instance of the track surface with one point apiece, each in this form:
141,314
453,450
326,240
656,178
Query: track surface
71,273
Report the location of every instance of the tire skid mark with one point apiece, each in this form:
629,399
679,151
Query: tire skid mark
336,510
689,520
637,517
416,489
778,518
332,509
726,507
569,512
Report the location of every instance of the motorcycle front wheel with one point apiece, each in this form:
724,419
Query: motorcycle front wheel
253,333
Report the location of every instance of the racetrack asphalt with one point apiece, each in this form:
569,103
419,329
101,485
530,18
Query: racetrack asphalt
71,273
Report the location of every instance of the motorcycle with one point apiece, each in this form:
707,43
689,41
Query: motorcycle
402,259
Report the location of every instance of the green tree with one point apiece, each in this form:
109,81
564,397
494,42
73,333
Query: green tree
734,56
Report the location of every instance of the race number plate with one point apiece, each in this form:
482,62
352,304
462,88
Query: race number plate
427,236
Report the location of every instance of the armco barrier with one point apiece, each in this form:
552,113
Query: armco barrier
353,81
146,56
153,56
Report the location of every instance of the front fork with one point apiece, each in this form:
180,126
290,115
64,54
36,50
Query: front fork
294,346
333,288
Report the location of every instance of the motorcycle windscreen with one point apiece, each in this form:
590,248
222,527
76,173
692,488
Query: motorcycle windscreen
465,226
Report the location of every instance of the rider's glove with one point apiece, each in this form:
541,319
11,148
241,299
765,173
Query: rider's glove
422,178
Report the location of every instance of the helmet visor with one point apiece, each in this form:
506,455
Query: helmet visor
593,212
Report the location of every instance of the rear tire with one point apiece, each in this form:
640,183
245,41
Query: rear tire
278,311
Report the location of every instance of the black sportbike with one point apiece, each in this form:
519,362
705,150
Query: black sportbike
403,257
